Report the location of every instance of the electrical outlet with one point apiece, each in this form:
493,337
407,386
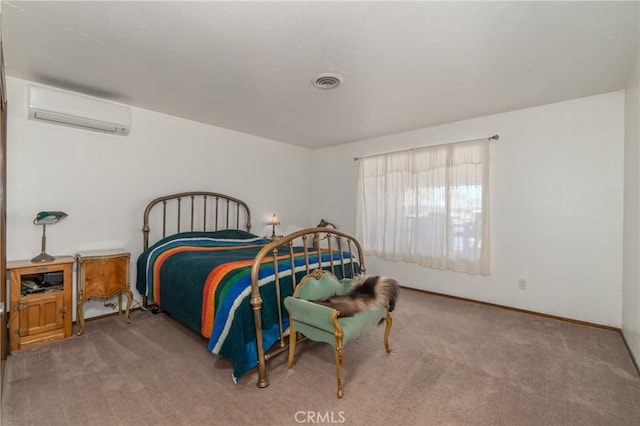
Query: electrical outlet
522,284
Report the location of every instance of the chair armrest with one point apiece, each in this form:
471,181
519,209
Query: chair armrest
319,316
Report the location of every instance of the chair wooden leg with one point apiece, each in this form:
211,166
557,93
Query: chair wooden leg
386,333
292,345
339,357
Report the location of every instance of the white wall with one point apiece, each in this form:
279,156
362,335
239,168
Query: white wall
556,207
631,244
104,181
557,194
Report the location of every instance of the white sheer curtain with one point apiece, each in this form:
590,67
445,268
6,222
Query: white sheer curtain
428,206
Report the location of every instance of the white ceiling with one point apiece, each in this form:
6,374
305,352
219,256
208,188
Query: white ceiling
248,66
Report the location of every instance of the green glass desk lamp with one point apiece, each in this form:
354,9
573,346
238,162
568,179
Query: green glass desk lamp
44,219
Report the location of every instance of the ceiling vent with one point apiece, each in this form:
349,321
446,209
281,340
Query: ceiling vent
327,81
75,110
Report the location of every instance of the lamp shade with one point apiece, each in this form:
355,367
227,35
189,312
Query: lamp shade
49,218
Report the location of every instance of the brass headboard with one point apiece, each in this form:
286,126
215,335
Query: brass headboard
201,211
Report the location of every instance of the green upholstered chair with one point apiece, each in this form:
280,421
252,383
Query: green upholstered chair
321,323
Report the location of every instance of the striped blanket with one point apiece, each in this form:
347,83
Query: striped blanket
203,279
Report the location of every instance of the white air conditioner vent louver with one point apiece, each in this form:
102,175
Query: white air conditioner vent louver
75,110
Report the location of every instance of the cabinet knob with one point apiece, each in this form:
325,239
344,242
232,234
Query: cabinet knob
63,310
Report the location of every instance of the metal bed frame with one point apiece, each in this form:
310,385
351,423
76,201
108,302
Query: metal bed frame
212,211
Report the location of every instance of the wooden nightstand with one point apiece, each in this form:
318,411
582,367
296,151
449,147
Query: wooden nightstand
40,300
103,274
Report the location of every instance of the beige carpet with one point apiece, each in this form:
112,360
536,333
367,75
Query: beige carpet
453,362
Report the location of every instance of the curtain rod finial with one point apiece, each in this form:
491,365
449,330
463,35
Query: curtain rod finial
495,137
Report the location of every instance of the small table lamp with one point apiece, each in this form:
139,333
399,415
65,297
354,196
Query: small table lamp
44,219
274,221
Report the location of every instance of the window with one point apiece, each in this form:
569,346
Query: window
428,206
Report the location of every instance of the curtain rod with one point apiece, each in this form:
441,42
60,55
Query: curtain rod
494,137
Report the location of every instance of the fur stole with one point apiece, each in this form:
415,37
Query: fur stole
367,292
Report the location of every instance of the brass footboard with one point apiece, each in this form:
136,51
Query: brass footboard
314,240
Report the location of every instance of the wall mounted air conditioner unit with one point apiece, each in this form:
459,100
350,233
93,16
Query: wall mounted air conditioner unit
75,110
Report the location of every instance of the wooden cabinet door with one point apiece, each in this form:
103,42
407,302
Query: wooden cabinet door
42,319
41,314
